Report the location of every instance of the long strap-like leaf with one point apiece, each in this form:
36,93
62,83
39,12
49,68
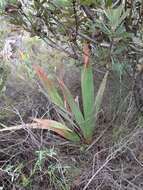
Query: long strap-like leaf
87,86
49,85
75,110
59,128
52,125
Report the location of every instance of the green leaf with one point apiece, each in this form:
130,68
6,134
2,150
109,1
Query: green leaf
118,67
49,85
75,110
108,3
58,128
62,3
87,2
115,16
103,27
87,86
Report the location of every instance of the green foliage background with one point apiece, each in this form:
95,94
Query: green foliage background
111,28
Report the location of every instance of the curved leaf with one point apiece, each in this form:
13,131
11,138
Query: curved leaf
75,110
49,86
58,128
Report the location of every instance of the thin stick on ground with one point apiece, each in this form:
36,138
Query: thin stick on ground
120,146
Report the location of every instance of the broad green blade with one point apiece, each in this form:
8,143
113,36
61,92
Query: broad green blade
97,106
99,96
75,110
49,86
87,86
58,128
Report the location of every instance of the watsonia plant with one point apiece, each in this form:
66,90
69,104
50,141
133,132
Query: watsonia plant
84,123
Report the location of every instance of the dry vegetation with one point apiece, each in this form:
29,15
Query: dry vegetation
33,158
